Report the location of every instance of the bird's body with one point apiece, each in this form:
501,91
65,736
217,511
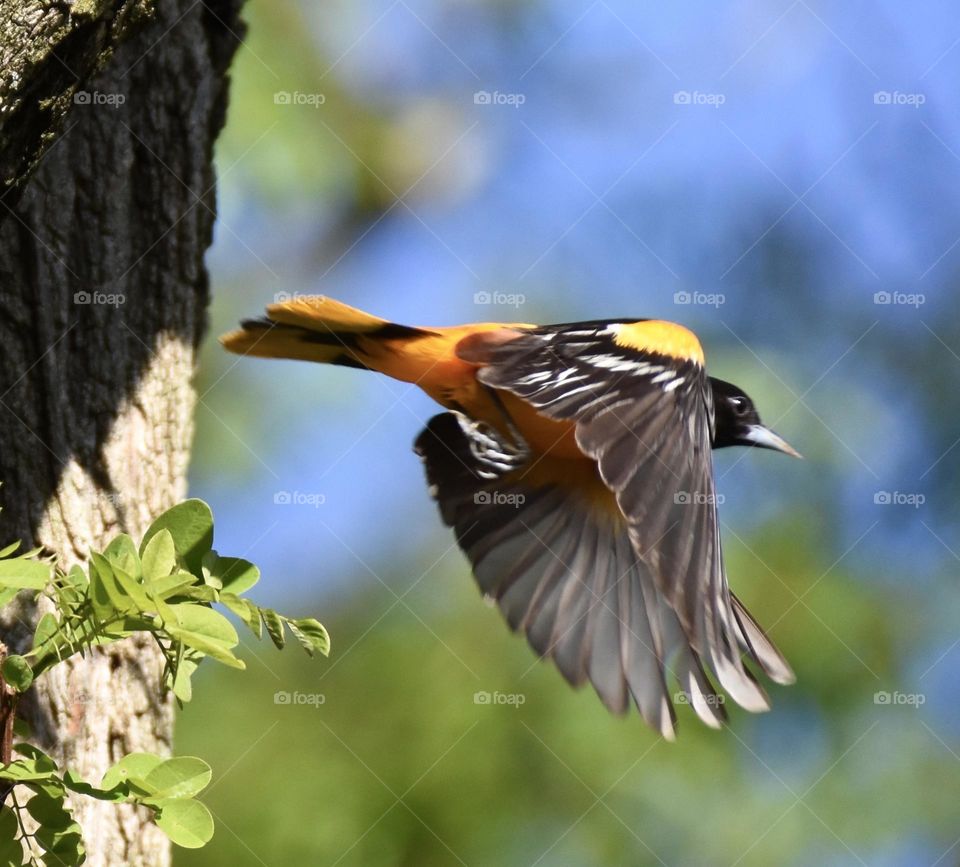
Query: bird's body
431,362
574,465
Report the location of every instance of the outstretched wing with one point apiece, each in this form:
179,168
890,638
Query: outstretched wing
564,572
642,405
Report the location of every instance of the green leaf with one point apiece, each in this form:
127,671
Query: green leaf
77,577
52,788
158,606
245,610
203,621
24,574
201,593
135,591
159,556
49,811
21,728
17,672
103,607
312,634
181,777
173,585
122,552
25,771
236,574
136,766
11,850
123,629
6,552
71,589
64,845
274,624
191,526
40,760
210,648
82,787
187,823
47,627
182,686
205,630
7,594
208,566
105,593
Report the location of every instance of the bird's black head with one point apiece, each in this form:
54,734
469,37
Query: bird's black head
738,423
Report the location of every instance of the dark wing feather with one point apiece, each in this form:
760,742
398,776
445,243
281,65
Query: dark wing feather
569,579
647,420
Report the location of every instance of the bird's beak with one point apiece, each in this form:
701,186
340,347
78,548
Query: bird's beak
758,435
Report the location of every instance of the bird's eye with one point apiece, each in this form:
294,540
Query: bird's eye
740,405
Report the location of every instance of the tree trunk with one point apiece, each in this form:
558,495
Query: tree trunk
106,216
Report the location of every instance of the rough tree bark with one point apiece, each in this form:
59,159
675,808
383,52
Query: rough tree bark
106,211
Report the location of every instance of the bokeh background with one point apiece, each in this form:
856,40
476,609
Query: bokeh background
783,178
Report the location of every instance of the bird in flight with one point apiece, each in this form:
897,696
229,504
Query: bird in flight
574,464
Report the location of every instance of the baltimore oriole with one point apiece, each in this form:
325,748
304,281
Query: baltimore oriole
574,466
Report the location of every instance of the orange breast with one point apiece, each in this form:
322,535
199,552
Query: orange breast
544,435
